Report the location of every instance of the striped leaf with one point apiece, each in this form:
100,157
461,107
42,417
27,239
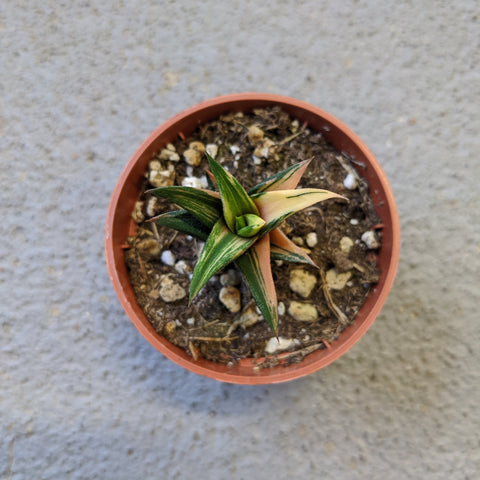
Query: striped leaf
182,221
286,180
205,205
276,206
235,200
282,248
222,247
256,268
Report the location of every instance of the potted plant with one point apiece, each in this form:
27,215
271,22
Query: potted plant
121,226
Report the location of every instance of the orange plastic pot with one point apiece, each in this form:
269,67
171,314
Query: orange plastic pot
120,225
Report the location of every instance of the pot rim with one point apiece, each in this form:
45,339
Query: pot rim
244,373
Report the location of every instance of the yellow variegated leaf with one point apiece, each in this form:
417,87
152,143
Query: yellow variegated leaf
235,200
282,248
285,180
203,204
256,268
222,247
276,206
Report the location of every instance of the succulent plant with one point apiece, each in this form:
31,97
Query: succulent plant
242,227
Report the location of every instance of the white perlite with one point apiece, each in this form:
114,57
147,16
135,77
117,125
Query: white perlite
168,258
350,182
346,244
230,297
337,281
171,291
161,178
281,308
302,282
195,182
303,312
182,267
369,238
312,239
274,345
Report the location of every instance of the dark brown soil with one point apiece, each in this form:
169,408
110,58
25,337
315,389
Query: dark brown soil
206,328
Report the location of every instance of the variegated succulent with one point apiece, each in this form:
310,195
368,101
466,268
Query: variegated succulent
242,227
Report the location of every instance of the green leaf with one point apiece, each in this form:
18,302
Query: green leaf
256,268
286,180
235,200
182,221
248,225
205,205
222,247
282,248
276,206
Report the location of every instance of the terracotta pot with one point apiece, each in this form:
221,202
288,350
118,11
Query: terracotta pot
120,225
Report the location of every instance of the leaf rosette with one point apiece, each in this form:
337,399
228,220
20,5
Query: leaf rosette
242,227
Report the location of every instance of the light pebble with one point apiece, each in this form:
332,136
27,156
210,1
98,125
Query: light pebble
312,239
335,280
192,157
302,282
303,312
346,244
281,308
212,149
168,258
281,344
350,182
230,297
171,291
194,182
369,238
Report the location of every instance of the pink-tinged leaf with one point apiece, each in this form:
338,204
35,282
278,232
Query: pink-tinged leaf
282,248
276,206
256,268
285,180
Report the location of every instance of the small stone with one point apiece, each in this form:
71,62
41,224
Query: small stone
249,317
369,238
169,154
337,281
182,267
149,246
281,344
190,321
346,244
234,149
137,214
256,160
151,206
163,178
212,150
281,308
302,282
192,157
263,148
230,297
171,291
354,221
230,278
171,147
298,241
303,312
168,258
312,239
350,182
155,165
194,182
198,146
255,134
174,157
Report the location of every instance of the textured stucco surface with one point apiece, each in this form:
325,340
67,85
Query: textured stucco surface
82,395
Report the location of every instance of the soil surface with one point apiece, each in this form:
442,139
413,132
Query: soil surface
341,237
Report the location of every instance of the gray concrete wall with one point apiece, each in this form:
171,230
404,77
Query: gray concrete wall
82,395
